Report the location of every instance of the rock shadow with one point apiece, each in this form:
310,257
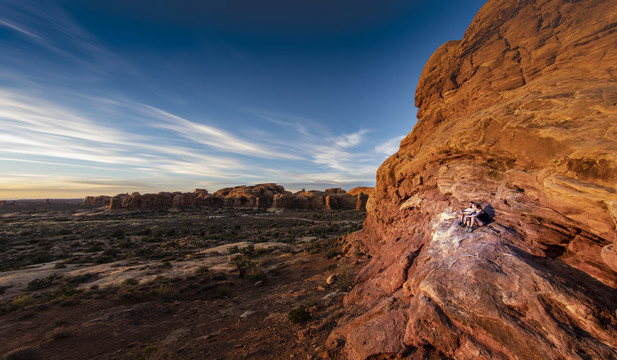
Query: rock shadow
571,278
490,211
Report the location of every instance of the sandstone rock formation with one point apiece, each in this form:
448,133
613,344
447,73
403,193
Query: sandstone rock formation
362,194
257,196
360,190
97,200
260,195
521,115
332,199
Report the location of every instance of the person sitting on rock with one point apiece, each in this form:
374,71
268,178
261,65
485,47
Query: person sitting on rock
478,217
464,213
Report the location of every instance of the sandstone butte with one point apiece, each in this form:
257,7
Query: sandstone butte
257,196
521,115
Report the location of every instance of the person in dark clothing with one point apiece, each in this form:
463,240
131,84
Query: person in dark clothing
476,218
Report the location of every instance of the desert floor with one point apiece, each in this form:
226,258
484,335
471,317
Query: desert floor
78,282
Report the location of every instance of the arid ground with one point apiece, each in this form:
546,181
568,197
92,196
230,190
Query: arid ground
77,282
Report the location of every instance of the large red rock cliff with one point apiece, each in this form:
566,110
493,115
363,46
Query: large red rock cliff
521,115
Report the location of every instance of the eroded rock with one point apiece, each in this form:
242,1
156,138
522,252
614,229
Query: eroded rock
521,115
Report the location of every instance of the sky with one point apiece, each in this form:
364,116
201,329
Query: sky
113,96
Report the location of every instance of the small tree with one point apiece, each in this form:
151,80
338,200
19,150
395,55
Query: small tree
242,263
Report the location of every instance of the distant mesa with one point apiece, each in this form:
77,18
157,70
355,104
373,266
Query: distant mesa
263,196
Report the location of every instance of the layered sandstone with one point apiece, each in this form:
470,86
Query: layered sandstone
521,115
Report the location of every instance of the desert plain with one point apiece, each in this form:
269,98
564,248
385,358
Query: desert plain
78,281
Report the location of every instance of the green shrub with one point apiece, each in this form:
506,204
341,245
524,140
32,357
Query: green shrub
129,282
249,251
94,246
64,291
202,270
314,248
343,279
127,244
43,283
20,302
64,232
242,263
152,352
298,315
165,292
165,265
40,257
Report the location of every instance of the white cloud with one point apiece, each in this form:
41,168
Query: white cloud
214,137
389,147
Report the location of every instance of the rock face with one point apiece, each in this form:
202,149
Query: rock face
257,196
521,115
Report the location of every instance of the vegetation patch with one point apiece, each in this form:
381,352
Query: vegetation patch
298,315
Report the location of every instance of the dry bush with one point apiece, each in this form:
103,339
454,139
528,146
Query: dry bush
60,332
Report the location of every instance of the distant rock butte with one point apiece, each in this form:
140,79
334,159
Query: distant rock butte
521,114
257,196
97,200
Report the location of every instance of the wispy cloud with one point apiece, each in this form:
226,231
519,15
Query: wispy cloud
215,137
389,147
34,127
47,25
20,30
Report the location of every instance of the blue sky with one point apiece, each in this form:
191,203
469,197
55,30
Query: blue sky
109,96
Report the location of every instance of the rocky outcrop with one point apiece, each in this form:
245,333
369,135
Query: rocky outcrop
332,199
362,194
257,196
361,190
521,115
260,195
97,200
136,201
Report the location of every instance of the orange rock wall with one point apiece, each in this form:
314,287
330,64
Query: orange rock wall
521,115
